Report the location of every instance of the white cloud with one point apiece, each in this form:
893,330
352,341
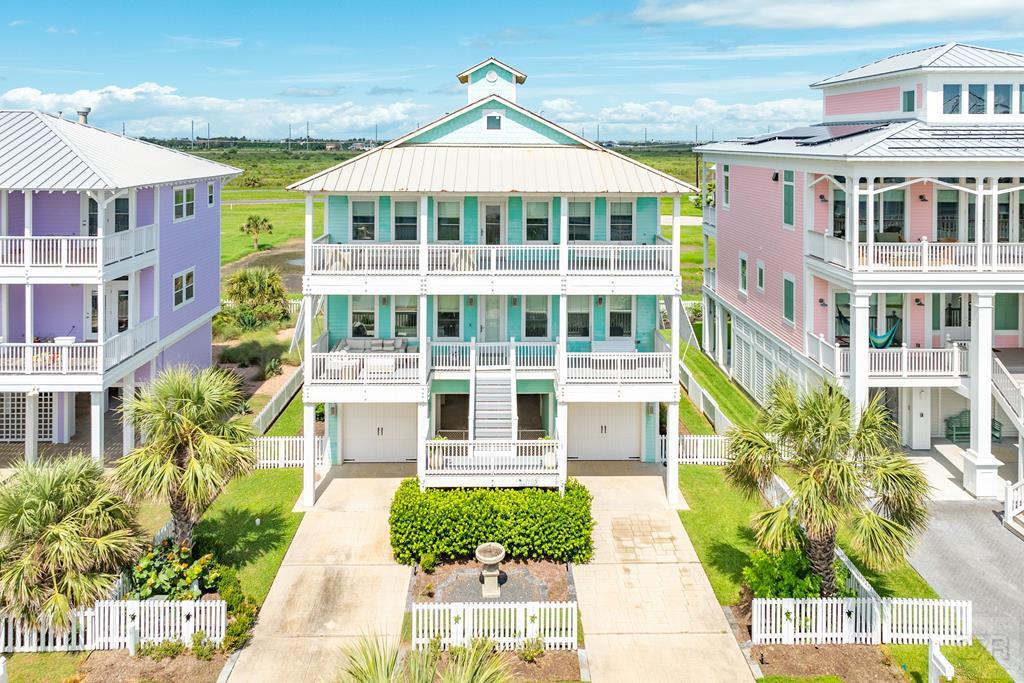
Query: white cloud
158,110
194,42
789,14
17,22
56,29
563,110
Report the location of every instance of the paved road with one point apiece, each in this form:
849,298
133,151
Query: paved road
966,553
648,610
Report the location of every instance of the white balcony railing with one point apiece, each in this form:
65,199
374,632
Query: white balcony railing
124,345
77,252
635,259
506,259
78,359
618,368
710,278
921,256
901,361
365,259
709,216
493,458
528,355
340,367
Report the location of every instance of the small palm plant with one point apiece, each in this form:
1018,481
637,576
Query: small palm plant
255,226
65,534
847,475
373,659
194,445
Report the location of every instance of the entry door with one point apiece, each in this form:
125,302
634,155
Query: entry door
116,304
492,319
378,432
956,316
493,223
604,431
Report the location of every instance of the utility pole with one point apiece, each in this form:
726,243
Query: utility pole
645,135
192,143
307,136
376,138
599,133
289,137
122,129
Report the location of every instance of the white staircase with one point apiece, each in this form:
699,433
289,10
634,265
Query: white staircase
494,413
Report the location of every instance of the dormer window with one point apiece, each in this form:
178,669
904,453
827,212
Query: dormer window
1002,98
976,98
908,101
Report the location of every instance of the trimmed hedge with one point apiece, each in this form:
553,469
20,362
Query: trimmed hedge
530,523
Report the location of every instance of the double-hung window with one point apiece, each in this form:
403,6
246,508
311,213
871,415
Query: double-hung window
620,221
364,221
579,221
743,273
449,316
760,276
578,316
184,202
184,287
406,315
976,96
725,185
405,221
908,101
1002,98
211,197
620,315
788,198
121,214
449,221
951,98
364,315
535,313
538,222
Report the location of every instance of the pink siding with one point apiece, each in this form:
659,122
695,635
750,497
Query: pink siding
920,96
753,224
921,214
821,313
1006,341
917,321
823,209
863,102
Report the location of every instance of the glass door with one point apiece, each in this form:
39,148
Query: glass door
491,328
492,223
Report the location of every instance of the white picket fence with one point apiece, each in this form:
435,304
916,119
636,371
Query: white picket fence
263,419
274,452
105,626
860,621
507,624
697,449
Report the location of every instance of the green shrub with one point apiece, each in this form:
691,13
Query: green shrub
530,523
169,569
202,648
258,291
242,610
531,650
788,575
428,562
321,412
165,649
272,368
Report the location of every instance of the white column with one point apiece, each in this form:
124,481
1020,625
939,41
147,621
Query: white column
870,215
674,321
672,454
720,334
5,331
421,328
563,235
424,233
30,314
308,303
562,430
133,213
28,228
920,418
979,215
981,469
1020,458
993,220
705,328
422,425
96,425
309,453
859,351
879,313
127,426
31,426
853,219
563,337
133,299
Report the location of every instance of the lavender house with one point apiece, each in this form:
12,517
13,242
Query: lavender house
109,270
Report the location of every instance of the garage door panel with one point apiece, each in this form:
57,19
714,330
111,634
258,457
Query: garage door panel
378,432
604,431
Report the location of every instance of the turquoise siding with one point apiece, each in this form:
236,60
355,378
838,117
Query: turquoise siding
535,386
337,319
646,322
337,219
514,222
469,317
333,447
384,317
600,219
556,220
599,321
470,225
384,219
514,325
481,74
646,219
431,228
650,453
449,386
518,129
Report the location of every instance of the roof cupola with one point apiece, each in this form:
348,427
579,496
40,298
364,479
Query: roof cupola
491,77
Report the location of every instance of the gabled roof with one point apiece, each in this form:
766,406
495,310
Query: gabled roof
40,151
464,76
953,56
580,168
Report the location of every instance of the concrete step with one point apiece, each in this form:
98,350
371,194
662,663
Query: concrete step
1015,525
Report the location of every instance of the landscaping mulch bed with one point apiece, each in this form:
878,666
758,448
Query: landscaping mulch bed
531,580
553,665
117,666
851,663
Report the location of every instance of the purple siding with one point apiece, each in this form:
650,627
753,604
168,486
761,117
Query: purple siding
196,349
56,213
183,245
56,307
144,206
146,293
15,213
142,374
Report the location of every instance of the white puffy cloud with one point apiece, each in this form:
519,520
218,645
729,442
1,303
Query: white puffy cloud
153,109
789,14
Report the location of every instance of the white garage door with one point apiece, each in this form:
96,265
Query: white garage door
605,431
378,432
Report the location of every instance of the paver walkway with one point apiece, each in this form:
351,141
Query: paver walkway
967,554
648,610
338,582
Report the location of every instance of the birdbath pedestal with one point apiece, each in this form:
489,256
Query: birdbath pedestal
489,555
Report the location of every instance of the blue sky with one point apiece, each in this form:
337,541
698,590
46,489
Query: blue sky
737,67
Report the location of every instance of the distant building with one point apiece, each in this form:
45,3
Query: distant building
332,147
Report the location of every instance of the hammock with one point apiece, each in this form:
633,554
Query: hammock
884,340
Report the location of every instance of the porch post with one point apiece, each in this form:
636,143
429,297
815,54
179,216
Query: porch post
308,454
421,327
979,214
96,424
31,426
980,467
705,328
675,234
673,315
672,454
870,215
309,229
422,430
853,219
30,314
562,432
28,229
993,220
127,426
563,235
859,351
424,234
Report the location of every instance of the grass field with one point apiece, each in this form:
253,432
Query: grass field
288,221
273,169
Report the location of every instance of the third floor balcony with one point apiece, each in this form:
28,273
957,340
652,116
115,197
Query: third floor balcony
62,257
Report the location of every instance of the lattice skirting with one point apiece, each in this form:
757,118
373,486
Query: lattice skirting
12,417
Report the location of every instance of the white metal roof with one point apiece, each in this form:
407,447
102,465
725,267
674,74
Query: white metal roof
40,151
951,56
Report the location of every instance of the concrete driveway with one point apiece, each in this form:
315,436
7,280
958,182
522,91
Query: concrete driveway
648,610
338,582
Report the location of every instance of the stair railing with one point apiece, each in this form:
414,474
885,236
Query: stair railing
513,407
472,389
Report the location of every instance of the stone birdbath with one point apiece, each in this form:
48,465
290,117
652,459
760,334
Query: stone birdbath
489,555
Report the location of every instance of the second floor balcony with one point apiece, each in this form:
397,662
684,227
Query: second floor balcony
947,364
64,256
919,256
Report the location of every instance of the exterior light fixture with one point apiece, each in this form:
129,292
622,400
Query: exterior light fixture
821,302
471,301
775,177
918,302
922,197
822,199
600,301
515,301
383,301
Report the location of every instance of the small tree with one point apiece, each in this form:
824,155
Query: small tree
65,534
255,226
195,442
850,476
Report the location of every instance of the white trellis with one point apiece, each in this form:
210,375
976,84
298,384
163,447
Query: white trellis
12,416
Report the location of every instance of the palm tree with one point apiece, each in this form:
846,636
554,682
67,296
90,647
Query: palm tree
194,445
65,534
846,476
255,226
258,290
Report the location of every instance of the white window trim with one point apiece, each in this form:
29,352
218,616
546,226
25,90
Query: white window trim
726,196
500,113
759,276
1013,92
791,183
184,216
394,215
376,317
608,218
376,219
590,320
788,277
482,202
211,194
903,95
185,301
437,318
394,316
593,217
741,283
522,316
437,219
551,219
608,318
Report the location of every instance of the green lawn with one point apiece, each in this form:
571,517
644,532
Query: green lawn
799,679
730,398
43,667
971,663
676,161
691,419
289,422
288,221
718,524
274,169
238,194
230,525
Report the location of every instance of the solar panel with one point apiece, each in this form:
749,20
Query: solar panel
820,134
